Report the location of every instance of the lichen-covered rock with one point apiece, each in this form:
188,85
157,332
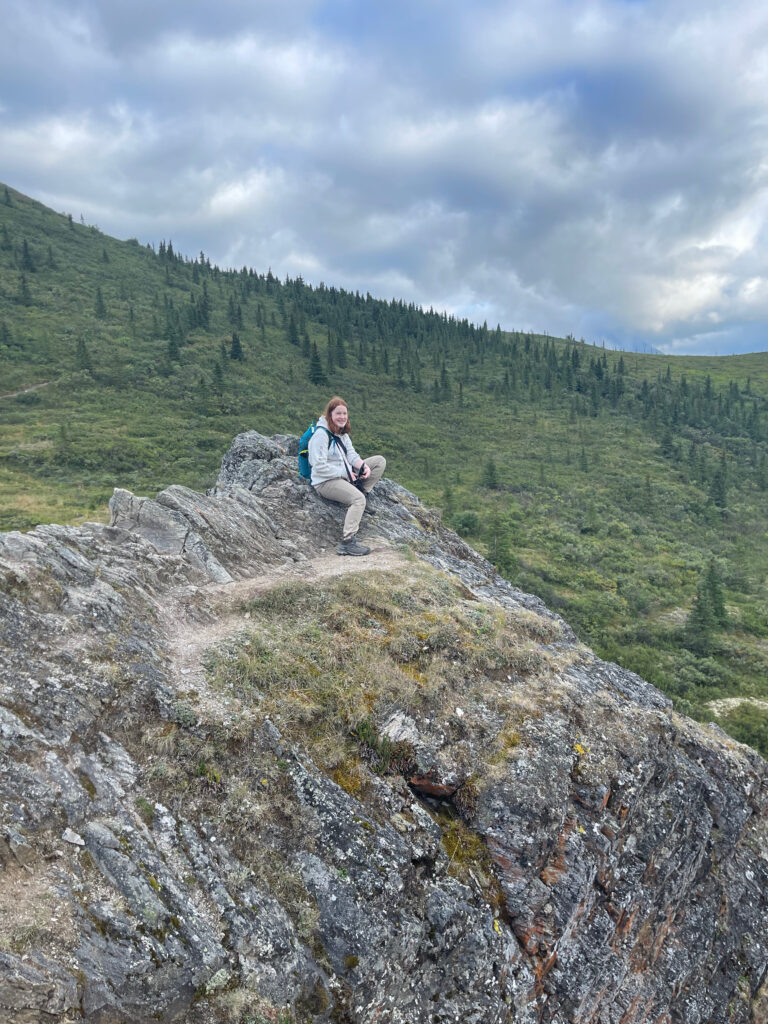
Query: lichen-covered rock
614,855
33,989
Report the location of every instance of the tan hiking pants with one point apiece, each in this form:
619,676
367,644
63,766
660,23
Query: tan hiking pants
347,494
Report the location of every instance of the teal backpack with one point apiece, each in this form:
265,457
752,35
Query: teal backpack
305,470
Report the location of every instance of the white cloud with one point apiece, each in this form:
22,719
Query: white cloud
597,166
231,70
246,196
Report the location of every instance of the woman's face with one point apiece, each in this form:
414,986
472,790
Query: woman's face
339,416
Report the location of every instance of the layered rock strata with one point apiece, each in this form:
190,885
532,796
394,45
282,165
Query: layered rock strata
625,858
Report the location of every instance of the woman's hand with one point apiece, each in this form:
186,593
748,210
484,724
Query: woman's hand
363,471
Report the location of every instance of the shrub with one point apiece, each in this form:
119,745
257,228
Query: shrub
467,523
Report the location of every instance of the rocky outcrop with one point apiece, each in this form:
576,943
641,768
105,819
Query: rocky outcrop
614,856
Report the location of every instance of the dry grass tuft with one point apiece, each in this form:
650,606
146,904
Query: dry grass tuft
321,661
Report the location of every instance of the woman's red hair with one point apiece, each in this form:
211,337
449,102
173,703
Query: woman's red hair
334,403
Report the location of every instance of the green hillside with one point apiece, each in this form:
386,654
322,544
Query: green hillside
629,491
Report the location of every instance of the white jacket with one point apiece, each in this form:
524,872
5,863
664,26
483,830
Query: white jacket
325,459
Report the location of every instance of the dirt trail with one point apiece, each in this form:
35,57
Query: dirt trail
214,613
727,704
24,391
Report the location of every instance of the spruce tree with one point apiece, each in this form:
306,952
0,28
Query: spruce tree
489,477
7,196
293,331
236,351
341,352
714,588
27,264
204,308
761,472
82,357
498,543
190,314
24,296
446,391
647,493
701,622
718,488
316,374
99,306
329,361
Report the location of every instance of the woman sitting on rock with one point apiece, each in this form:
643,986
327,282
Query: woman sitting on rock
339,473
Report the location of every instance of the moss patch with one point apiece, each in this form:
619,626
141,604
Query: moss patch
469,859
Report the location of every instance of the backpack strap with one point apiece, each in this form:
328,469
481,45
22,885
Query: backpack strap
350,474
338,440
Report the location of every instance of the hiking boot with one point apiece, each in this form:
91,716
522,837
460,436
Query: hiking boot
351,546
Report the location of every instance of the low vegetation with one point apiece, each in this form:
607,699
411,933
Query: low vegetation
328,662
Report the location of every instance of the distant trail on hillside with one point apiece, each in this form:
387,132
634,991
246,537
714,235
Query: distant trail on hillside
23,391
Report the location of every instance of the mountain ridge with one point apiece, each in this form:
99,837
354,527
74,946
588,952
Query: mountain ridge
408,794
627,491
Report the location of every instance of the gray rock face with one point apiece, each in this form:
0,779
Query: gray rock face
623,870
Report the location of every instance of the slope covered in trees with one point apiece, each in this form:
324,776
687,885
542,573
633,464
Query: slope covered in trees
629,491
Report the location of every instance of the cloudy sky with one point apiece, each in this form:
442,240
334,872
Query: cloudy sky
598,167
